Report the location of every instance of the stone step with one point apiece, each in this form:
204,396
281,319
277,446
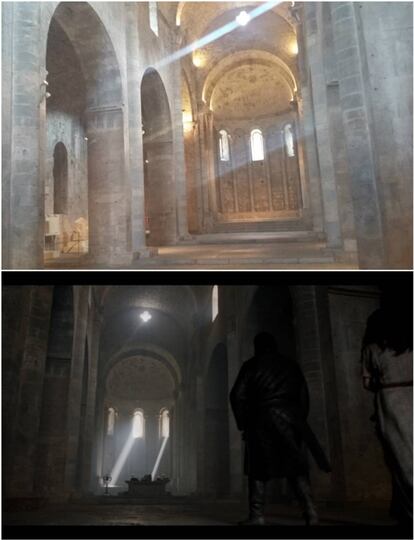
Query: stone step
256,237
260,226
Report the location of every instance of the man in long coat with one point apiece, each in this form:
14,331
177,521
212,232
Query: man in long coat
270,404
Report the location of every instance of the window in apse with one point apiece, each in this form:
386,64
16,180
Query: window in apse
138,425
224,146
111,421
164,424
256,145
214,303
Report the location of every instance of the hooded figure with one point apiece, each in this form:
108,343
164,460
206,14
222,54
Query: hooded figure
270,403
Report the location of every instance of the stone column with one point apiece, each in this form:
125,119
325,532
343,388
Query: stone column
108,246
315,352
94,419
314,46
236,446
136,166
23,185
205,123
75,386
368,226
30,392
179,158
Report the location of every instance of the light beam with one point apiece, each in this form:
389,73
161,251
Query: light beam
216,34
157,462
120,462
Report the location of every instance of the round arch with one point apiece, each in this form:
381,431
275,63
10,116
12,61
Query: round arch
159,189
99,122
242,58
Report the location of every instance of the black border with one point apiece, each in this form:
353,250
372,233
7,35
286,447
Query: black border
385,278
207,532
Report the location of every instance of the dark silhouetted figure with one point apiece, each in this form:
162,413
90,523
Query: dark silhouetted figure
270,403
387,370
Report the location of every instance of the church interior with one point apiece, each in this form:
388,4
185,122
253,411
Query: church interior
104,385
187,135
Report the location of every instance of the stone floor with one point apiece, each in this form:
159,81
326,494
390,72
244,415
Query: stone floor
111,511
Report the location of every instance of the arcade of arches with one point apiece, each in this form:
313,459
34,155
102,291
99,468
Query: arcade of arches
208,134
97,380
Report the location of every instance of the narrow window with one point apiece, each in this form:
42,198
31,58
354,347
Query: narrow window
256,144
60,179
224,145
111,421
164,424
138,424
214,303
153,17
289,142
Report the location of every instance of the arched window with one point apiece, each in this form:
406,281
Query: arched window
164,424
111,421
224,146
289,141
60,179
138,424
214,303
256,145
153,17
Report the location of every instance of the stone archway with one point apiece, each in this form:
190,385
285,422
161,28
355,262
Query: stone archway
159,187
85,108
137,384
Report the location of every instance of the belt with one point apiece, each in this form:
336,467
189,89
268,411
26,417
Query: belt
396,384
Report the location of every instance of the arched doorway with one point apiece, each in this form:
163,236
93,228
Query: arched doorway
84,112
216,437
159,186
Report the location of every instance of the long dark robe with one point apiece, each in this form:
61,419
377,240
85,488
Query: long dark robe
270,404
392,376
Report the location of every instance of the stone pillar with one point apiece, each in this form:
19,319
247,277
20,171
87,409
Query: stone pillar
315,352
23,185
314,47
136,166
29,403
94,419
179,158
75,387
205,122
368,226
236,446
108,244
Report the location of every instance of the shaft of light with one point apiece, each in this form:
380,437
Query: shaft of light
216,34
120,462
160,453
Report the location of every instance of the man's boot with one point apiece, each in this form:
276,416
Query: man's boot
256,503
305,496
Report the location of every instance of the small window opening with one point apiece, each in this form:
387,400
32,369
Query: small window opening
111,421
153,17
289,141
138,425
164,424
214,303
224,146
256,144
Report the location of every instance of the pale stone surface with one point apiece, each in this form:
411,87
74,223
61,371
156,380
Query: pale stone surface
331,70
